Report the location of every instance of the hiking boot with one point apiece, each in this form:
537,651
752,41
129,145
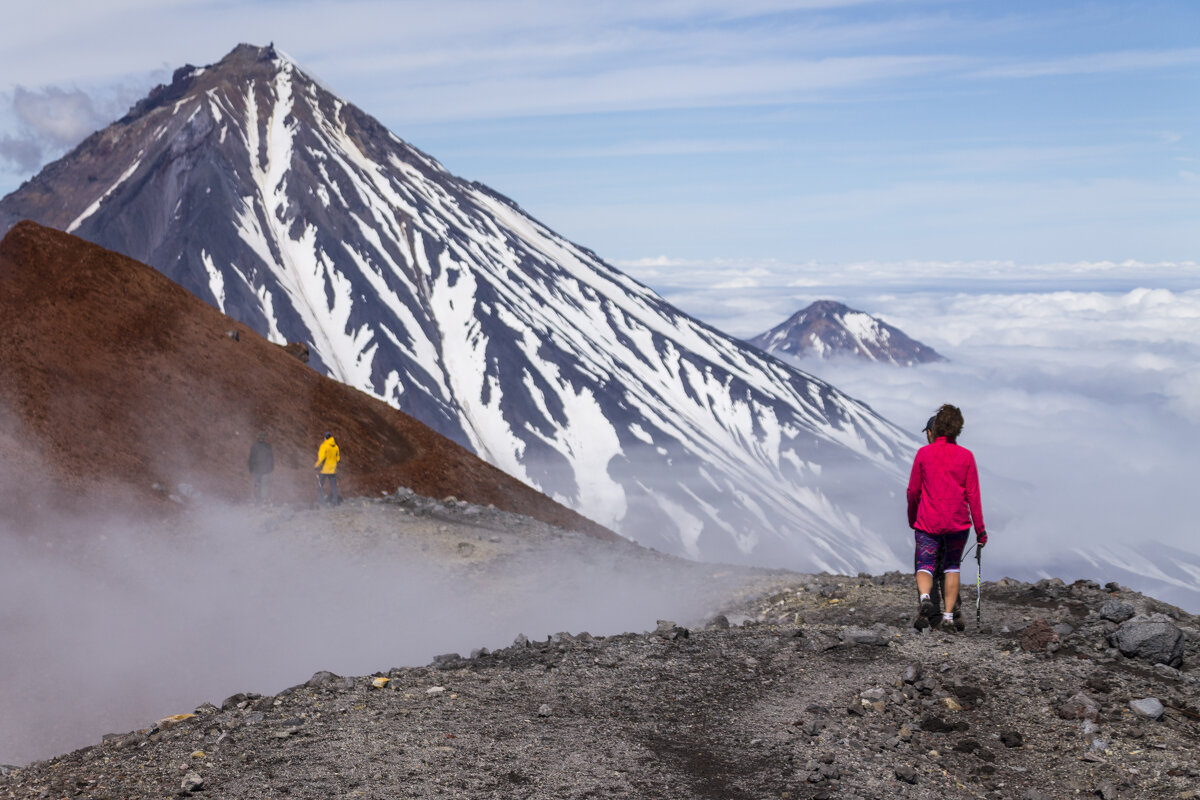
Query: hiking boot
959,625
927,615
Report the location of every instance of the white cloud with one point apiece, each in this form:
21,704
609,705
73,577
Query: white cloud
63,117
623,87
50,121
652,261
783,283
1123,61
737,283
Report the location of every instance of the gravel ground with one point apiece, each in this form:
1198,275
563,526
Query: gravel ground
806,686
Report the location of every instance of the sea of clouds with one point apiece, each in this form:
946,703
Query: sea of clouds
1080,384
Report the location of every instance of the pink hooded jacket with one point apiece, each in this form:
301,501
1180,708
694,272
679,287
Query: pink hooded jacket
943,490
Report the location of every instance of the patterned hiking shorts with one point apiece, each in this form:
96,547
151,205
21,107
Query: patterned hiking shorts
950,544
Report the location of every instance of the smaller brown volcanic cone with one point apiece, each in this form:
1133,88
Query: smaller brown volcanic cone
119,387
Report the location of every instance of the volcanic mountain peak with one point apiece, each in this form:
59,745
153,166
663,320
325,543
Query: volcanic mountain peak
827,329
302,217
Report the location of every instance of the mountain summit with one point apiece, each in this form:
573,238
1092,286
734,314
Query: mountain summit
299,215
827,328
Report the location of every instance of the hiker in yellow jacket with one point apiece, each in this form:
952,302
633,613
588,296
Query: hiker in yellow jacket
326,467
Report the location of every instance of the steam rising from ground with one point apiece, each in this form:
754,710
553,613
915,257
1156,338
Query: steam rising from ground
108,627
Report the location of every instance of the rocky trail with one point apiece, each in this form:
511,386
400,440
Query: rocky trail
803,686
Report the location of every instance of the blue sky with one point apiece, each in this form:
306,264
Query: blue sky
819,130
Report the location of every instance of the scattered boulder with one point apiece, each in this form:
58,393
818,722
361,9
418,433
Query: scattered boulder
1149,707
1157,641
878,635
192,782
1037,635
969,695
1079,706
329,680
935,724
319,679
906,773
166,723
720,622
447,661
231,702
667,629
1063,630
1115,610
1012,739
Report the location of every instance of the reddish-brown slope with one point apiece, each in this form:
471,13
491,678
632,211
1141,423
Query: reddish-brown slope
114,379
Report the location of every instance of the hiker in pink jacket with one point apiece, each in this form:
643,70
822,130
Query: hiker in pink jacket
943,502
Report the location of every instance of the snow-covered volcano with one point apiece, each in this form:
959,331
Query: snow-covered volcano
827,329
260,191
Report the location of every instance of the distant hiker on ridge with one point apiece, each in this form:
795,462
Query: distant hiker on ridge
943,501
262,464
327,460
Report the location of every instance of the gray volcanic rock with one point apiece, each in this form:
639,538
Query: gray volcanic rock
1117,610
1079,706
878,635
1148,707
827,329
299,215
1155,640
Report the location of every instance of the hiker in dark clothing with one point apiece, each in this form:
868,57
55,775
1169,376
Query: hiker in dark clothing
262,464
943,502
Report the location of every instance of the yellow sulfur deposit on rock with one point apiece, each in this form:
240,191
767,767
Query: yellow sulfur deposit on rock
171,721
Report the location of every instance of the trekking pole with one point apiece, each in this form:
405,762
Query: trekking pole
978,582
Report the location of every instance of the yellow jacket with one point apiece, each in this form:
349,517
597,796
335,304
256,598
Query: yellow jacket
328,456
